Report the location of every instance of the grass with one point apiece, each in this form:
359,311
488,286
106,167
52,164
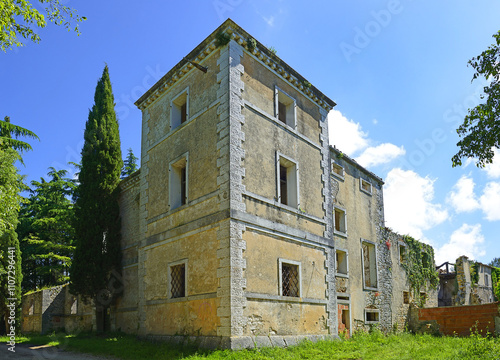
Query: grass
362,346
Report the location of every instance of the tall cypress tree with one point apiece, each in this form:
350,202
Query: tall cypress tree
97,256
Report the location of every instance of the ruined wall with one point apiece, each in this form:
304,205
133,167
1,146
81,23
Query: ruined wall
55,309
467,292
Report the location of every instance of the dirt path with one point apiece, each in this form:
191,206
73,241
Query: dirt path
24,351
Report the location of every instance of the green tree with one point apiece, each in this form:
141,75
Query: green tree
97,256
480,131
130,164
7,129
11,184
46,231
495,262
20,18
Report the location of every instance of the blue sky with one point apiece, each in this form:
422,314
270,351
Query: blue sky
397,70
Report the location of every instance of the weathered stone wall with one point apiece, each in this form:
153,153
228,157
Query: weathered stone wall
125,311
269,313
364,217
55,309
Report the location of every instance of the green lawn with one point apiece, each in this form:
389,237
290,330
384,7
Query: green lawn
361,346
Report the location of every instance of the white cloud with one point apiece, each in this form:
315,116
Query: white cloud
493,169
490,201
462,196
408,203
380,154
467,240
346,134
269,20
349,137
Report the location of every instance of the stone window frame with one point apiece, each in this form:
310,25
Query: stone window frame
169,286
291,108
280,275
361,187
372,311
340,274
340,232
173,182
294,182
176,122
339,167
371,243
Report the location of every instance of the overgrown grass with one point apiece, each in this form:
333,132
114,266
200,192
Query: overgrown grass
362,346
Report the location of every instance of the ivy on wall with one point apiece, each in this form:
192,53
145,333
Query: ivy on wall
419,266
495,278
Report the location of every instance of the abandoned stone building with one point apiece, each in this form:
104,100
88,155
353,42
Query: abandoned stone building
458,285
243,225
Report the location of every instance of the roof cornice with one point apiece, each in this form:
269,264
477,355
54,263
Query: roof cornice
261,52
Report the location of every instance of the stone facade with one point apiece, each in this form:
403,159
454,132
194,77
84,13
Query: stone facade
458,288
55,309
358,195
243,226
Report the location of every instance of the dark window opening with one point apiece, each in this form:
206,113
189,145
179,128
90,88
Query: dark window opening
283,186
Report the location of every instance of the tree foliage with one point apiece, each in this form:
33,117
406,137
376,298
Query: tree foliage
7,130
480,131
46,231
495,262
97,225
130,164
11,184
20,18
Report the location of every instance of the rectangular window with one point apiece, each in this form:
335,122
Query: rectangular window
423,297
177,276
179,109
406,297
337,170
285,107
365,186
341,262
369,261
289,278
372,316
486,280
288,186
178,184
340,225
402,253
